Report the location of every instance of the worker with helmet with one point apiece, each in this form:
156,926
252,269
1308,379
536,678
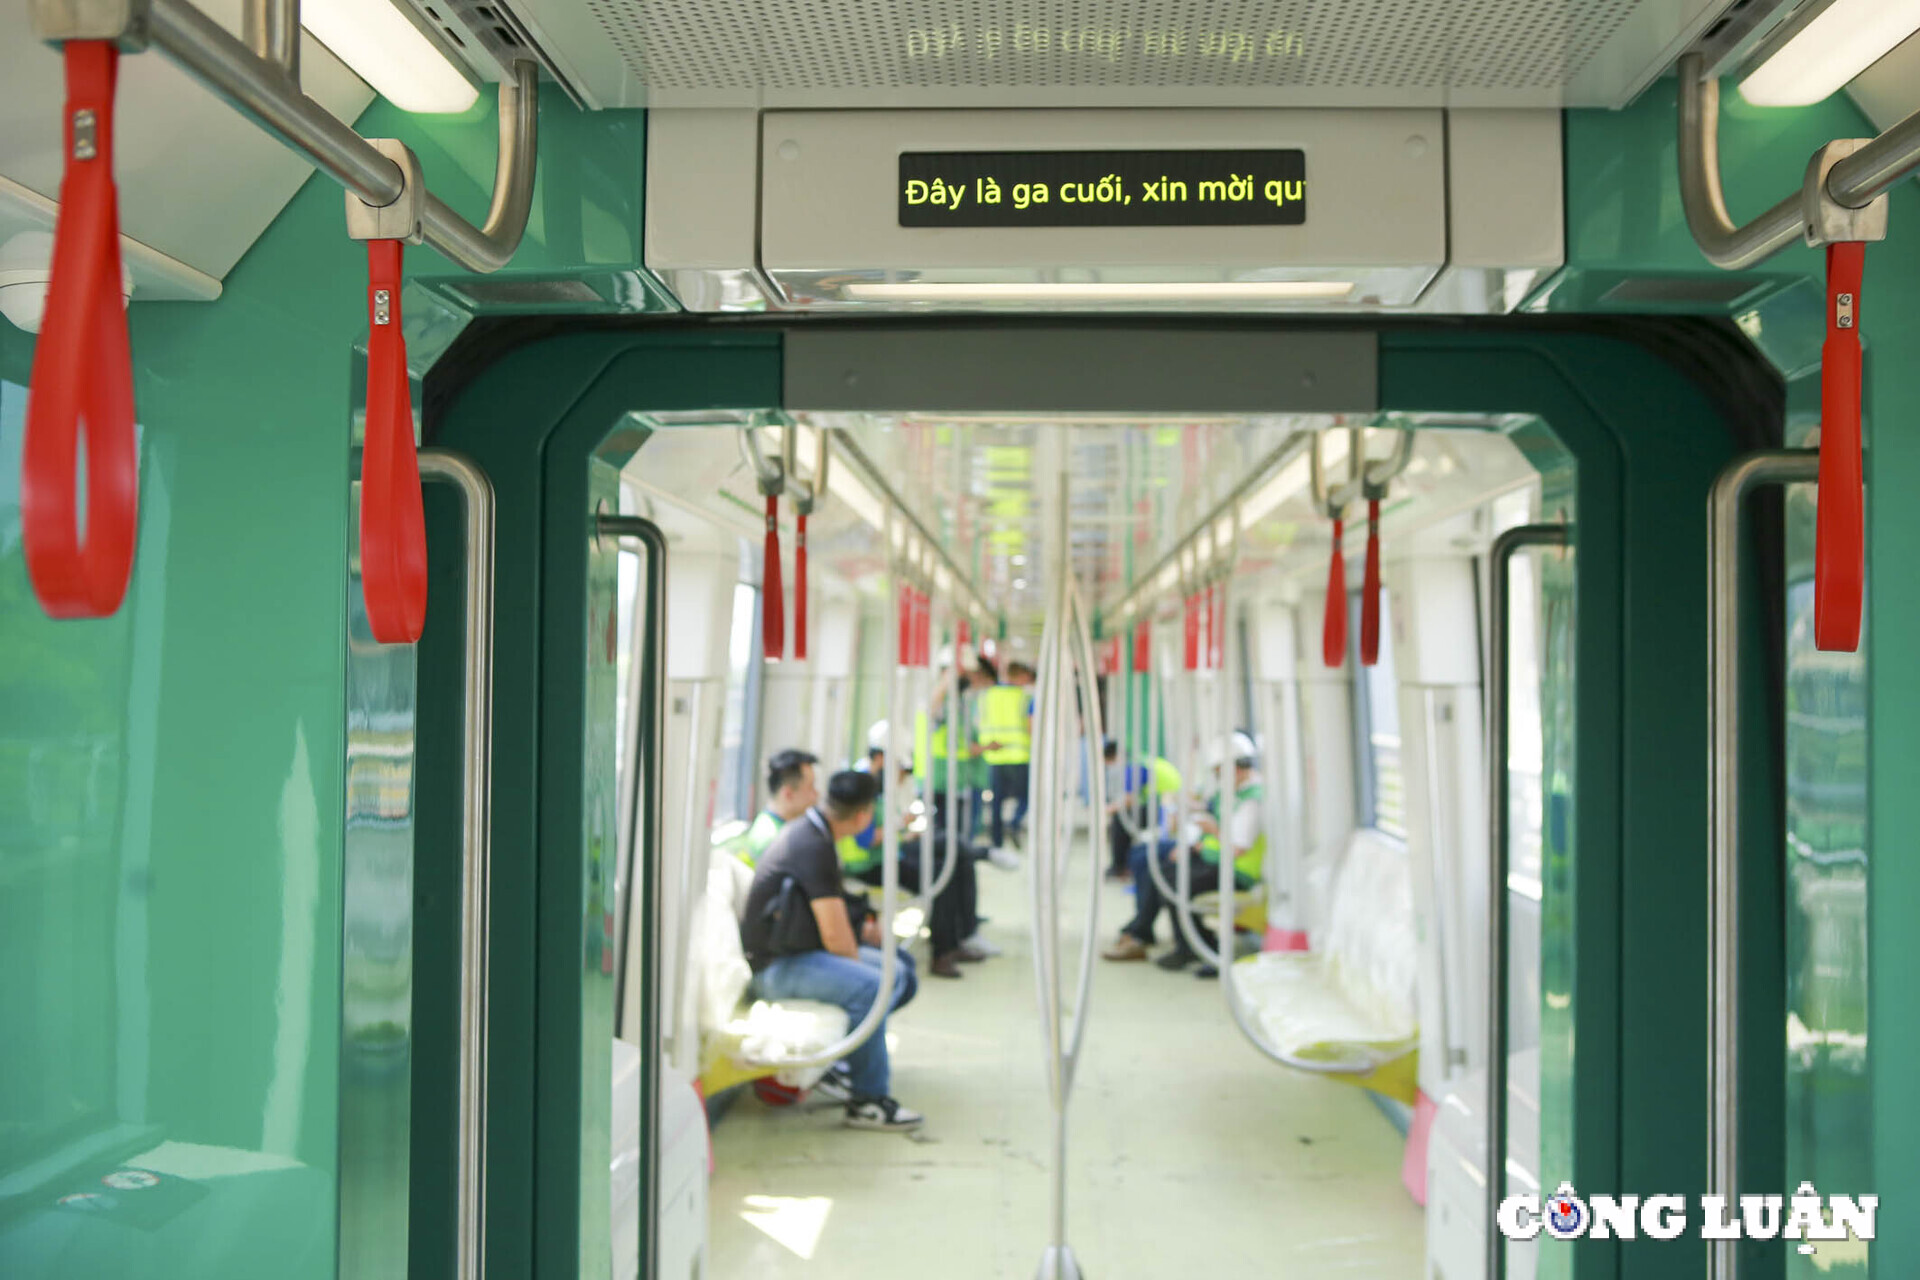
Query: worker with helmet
1006,726
1239,843
1131,789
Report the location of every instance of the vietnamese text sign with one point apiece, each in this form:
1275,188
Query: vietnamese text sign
1103,188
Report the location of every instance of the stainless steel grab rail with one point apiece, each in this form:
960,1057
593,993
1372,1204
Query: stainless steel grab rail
261,88
1736,480
476,848
1855,181
1501,554
950,811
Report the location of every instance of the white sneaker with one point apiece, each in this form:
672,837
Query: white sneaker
981,945
882,1113
1005,859
834,1086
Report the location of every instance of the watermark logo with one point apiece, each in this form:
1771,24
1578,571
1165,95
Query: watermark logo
1807,1217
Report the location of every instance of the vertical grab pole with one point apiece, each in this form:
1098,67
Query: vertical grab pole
1224,940
476,849
1504,547
1741,476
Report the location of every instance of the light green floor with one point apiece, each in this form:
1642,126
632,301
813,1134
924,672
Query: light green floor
1190,1150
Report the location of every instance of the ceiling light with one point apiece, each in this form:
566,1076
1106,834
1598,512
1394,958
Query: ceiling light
1019,584
1019,560
1108,291
1840,42
386,50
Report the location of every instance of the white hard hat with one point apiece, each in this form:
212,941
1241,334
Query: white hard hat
1239,747
877,741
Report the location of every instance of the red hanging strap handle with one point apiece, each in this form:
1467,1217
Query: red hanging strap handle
1216,626
393,527
83,373
1192,654
906,625
1333,630
1370,590
1142,657
773,603
800,587
1839,548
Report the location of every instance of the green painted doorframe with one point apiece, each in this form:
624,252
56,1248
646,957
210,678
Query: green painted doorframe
1649,430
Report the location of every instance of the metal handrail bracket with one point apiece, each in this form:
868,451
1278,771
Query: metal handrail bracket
257,75
476,848
1494,1166
1739,478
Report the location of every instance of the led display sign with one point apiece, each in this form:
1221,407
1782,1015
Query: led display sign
1103,188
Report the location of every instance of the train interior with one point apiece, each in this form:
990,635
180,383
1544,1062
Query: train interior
1340,541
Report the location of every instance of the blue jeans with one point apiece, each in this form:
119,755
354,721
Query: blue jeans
852,985
1009,783
1205,878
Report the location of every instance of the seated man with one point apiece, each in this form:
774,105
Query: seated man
816,951
953,919
1130,792
1248,848
791,791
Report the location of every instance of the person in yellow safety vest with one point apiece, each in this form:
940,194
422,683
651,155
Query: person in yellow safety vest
1006,726
932,777
1130,789
1242,838
791,791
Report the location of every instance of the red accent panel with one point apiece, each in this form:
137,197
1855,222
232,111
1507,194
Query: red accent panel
773,597
1333,630
1413,1164
393,530
1370,591
82,372
800,588
1839,548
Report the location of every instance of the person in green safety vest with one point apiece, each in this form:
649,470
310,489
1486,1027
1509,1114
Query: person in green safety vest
1245,850
1006,726
791,791
1130,789
953,921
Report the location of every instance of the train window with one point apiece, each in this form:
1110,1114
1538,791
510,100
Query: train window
738,731
1382,791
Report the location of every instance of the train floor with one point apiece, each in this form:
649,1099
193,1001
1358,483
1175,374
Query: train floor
1190,1151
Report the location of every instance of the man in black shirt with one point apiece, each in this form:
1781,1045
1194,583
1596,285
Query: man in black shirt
800,938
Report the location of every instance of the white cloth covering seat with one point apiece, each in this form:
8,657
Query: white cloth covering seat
1351,1005
733,1033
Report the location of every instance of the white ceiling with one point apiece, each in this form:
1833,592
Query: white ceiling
947,53
981,486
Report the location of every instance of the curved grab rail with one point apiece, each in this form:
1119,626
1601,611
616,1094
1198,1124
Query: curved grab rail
1376,479
82,390
476,849
1097,777
950,811
882,1005
1736,480
1499,558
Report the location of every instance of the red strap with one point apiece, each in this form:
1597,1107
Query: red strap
82,371
1370,590
1207,646
393,528
1142,660
1333,632
800,587
773,599
1839,548
963,634
1193,634
906,625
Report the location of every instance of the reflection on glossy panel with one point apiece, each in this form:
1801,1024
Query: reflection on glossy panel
1829,1121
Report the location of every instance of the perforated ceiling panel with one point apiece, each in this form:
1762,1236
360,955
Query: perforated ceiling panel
1130,52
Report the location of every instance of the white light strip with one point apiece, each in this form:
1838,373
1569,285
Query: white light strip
387,51
1848,37
1115,291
